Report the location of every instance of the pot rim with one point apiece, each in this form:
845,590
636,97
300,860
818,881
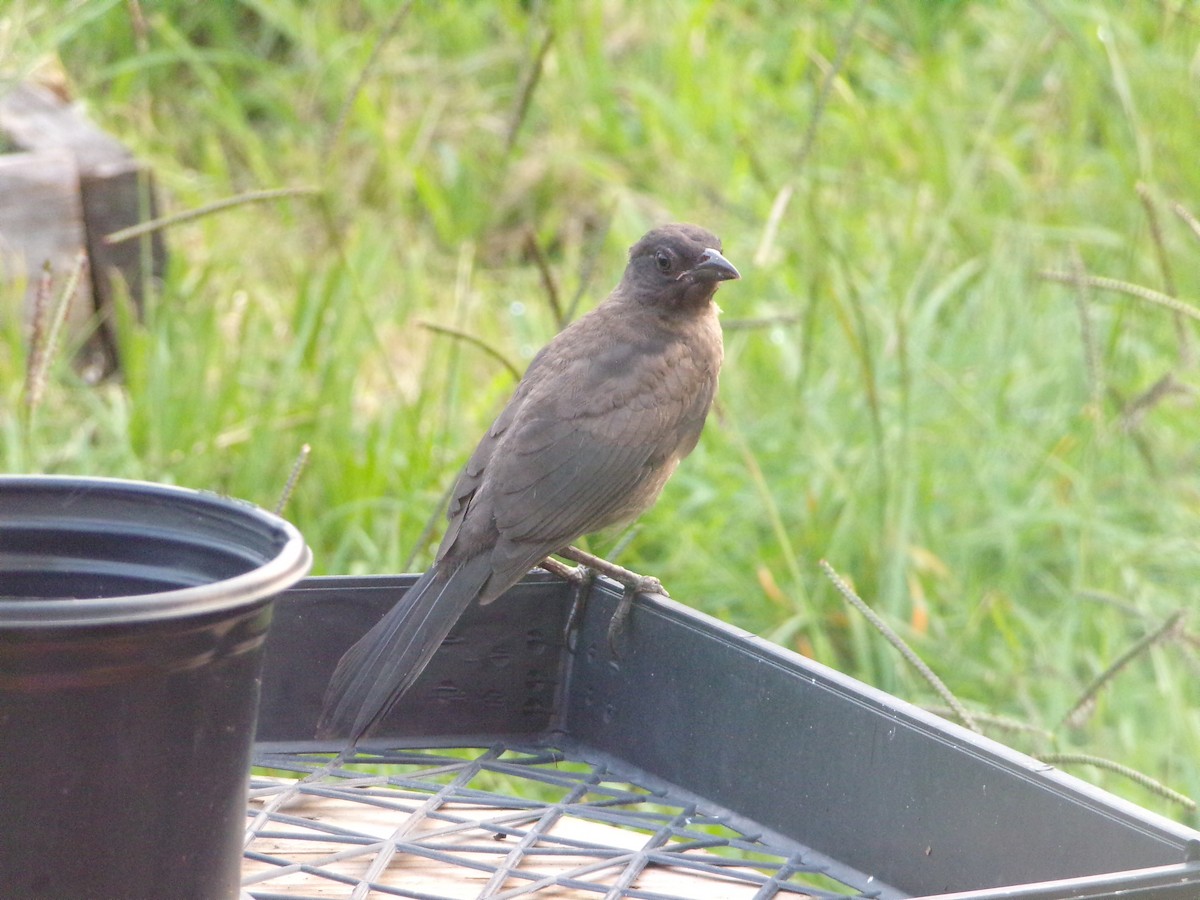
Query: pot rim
289,564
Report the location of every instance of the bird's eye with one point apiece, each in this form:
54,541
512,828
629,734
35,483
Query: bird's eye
664,260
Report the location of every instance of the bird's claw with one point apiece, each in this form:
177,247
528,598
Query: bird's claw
647,584
582,579
634,584
585,573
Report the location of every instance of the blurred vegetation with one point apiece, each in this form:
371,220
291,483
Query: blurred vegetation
1003,466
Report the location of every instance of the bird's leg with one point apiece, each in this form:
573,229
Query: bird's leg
634,584
581,578
638,584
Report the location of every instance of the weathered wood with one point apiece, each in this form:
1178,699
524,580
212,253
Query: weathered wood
112,191
116,199
41,221
33,118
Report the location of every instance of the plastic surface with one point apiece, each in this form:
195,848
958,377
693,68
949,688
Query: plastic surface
127,551
893,798
131,634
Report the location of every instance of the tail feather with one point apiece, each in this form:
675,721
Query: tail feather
384,663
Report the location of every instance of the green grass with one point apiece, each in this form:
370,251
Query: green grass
921,411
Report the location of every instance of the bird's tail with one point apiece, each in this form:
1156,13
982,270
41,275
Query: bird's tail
382,666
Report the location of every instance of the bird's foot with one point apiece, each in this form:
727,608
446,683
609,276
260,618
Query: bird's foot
620,618
581,579
633,583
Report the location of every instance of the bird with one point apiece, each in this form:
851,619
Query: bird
597,424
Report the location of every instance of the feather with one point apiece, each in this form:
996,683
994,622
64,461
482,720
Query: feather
383,664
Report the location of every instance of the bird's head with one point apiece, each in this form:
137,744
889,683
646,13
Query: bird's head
676,267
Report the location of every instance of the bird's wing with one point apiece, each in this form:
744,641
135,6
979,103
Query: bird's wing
572,463
471,476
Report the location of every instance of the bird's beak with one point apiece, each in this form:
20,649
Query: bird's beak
714,267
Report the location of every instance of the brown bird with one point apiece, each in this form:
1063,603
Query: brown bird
595,428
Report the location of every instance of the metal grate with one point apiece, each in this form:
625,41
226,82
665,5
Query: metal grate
500,822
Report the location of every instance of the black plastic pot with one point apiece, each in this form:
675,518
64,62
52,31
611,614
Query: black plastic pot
132,622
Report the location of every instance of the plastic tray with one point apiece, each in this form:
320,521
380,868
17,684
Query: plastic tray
724,753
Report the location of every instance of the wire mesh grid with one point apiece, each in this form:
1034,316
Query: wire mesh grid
499,822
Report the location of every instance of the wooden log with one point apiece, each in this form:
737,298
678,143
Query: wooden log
41,222
112,190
